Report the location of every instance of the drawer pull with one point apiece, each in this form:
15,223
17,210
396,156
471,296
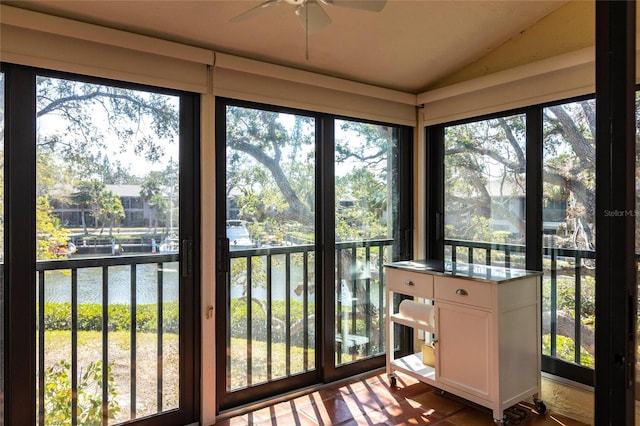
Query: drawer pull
462,292
409,282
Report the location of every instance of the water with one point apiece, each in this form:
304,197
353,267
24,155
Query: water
58,284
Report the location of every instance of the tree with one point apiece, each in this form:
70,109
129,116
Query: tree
266,141
160,205
52,238
137,120
111,210
86,197
484,171
151,189
82,126
569,146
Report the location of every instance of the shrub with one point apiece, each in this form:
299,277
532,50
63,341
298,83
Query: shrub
57,316
57,395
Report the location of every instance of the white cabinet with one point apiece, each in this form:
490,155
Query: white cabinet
486,327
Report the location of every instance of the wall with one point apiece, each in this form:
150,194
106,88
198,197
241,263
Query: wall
570,399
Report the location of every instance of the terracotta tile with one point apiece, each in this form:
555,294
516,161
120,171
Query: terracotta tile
439,406
370,418
329,411
472,417
371,401
416,417
366,399
289,419
413,389
264,414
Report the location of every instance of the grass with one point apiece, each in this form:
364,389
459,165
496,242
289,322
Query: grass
259,362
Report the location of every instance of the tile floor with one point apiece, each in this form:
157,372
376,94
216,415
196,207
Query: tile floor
369,400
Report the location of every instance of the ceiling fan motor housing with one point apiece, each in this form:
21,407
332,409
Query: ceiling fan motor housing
295,2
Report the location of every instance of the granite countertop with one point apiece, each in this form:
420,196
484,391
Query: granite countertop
496,274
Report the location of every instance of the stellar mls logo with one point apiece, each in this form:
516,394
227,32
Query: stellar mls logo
620,213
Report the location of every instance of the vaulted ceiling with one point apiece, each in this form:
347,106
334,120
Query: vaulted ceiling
408,45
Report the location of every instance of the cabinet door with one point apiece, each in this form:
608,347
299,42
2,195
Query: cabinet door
464,349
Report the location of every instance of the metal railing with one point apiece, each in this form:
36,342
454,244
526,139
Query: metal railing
72,267
359,327
360,321
359,330
270,259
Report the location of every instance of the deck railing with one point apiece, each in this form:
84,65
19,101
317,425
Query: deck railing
359,325
72,268
360,321
259,320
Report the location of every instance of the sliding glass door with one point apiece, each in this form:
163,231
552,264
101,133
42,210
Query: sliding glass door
269,244
308,209
366,220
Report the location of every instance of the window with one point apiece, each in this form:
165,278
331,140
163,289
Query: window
568,294
519,190
100,333
485,191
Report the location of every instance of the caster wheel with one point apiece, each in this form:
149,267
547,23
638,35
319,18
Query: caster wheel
540,407
393,381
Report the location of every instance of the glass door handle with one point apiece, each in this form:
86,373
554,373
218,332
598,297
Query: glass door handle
187,258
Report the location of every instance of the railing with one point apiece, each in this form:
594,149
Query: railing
72,268
258,274
360,321
260,263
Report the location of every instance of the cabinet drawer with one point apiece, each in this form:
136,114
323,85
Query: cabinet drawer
469,292
410,283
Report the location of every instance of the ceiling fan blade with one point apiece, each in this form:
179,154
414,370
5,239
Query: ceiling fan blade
255,10
312,17
370,5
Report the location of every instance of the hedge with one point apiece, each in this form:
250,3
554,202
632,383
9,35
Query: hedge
57,316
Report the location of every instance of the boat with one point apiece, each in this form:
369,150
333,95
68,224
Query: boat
171,244
238,235
65,250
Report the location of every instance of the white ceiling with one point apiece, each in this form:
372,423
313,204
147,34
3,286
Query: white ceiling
408,46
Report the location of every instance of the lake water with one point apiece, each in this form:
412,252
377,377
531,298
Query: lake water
58,284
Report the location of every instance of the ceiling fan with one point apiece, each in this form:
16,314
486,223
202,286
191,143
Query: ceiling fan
310,14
